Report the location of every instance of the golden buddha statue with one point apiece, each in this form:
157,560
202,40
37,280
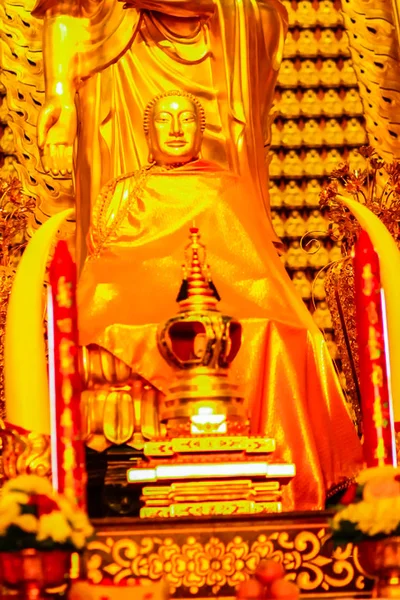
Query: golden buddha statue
293,195
312,133
322,316
311,105
116,56
332,104
329,43
327,14
295,257
333,134
292,165
291,134
307,43
275,194
127,287
288,104
329,73
312,192
295,225
317,255
302,284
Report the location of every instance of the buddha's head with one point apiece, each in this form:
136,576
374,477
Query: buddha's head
174,123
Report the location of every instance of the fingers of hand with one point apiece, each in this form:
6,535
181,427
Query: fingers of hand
57,159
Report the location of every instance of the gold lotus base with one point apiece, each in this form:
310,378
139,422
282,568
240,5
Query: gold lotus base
209,557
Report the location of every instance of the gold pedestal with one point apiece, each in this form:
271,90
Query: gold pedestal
210,475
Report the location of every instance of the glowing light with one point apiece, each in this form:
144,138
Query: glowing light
210,470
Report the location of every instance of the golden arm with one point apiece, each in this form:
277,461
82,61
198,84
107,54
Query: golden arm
62,36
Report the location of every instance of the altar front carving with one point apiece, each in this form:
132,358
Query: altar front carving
207,558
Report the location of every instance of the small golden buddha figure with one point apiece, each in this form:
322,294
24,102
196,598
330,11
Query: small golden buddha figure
352,102
276,131
313,164
295,256
333,133
292,165
312,192
347,74
292,13
355,133
295,225
288,76
293,195
332,160
332,104
307,43
290,48
322,316
309,75
317,255
275,195
318,287
356,160
127,288
291,135
289,105
312,133
316,224
343,42
306,15
335,253
302,284
329,73
328,43
7,144
275,165
327,14
311,105
332,346
278,224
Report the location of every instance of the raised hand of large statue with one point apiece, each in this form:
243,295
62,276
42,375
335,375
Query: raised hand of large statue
57,124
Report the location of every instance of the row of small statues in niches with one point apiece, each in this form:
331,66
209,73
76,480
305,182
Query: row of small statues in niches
312,163
318,103
308,13
310,254
318,42
294,194
312,133
297,224
315,73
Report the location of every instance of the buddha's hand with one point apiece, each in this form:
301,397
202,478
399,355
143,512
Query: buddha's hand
57,125
268,584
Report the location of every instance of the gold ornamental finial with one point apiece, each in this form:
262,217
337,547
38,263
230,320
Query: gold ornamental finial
198,291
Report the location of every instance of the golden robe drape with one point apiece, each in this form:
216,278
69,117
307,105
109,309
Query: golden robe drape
129,286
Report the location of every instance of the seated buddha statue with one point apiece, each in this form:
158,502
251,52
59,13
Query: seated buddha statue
128,286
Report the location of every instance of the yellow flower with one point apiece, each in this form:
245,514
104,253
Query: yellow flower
8,516
27,523
386,471
55,527
78,539
12,498
30,484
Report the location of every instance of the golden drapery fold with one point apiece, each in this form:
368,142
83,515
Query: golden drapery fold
130,281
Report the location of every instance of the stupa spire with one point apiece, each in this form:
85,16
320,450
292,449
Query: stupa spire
197,290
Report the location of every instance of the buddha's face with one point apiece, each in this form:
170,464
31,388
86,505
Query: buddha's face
175,134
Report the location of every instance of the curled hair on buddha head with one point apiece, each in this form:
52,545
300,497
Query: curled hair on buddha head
149,108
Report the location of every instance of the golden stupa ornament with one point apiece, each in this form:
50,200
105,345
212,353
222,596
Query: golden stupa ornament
200,343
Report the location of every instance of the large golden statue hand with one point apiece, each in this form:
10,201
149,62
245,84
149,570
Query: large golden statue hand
57,124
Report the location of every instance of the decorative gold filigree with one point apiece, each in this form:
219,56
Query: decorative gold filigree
206,563
24,453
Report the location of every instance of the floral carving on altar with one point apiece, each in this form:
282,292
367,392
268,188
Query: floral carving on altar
216,564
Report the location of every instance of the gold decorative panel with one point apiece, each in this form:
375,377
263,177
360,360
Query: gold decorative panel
202,558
